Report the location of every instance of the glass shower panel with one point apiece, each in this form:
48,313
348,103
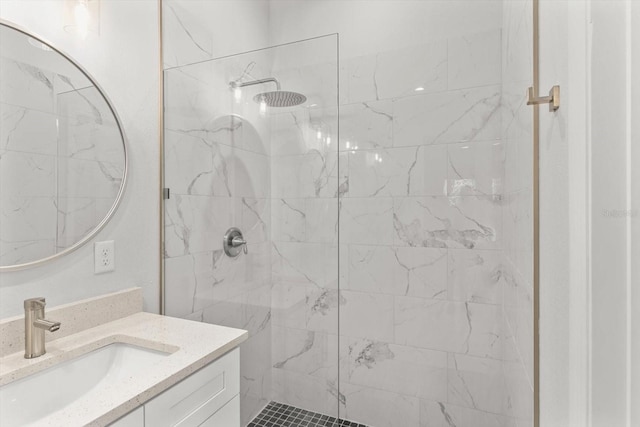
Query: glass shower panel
238,154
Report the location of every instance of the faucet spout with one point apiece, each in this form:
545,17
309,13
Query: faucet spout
47,325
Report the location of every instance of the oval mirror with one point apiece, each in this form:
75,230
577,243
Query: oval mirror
63,158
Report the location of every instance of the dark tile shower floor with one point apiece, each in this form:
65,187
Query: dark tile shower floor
280,415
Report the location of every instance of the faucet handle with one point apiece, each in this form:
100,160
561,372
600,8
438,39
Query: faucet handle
34,303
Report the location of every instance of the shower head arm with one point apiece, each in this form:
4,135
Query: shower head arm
256,82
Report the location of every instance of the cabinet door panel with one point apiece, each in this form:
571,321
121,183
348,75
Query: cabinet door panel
196,398
227,416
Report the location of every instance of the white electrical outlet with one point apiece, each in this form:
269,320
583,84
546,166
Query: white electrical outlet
104,256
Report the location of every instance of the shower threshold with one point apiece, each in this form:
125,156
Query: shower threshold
280,415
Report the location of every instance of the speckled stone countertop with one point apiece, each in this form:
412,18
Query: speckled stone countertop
192,346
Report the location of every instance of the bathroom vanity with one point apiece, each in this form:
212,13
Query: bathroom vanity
208,397
113,364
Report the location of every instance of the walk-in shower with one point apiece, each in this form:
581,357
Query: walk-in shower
387,278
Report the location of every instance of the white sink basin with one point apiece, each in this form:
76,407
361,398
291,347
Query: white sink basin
37,396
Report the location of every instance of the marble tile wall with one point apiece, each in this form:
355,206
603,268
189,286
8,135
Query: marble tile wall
422,271
517,211
61,160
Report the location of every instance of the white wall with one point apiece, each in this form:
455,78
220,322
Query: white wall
124,61
587,214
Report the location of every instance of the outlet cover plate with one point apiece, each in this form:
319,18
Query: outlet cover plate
104,257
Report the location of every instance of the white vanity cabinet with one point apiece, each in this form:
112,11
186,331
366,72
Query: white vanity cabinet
209,397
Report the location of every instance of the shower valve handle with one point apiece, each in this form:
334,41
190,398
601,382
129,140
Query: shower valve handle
239,241
233,242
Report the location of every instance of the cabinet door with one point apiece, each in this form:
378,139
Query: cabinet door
134,418
227,416
196,398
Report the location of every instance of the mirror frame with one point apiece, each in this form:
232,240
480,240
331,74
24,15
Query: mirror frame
125,172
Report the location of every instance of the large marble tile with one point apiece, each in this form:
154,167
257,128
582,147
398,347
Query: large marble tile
321,220
518,400
518,310
476,383
313,174
40,170
366,221
366,125
313,264
312,74
357,78
180,285
400,72
250,311
458,222
444,414
517,41
381,173
420,272
199,105
290,303
367,315
397,171
88,178
196,224
83,104
27,130
476,169
476,275
322,310
378,408
27,218
197,166
399,369
252,174
200,281
446,117
306,352
291,133
396,73
255,219
26,85
87,140
288,220
517,120
462,327
474,60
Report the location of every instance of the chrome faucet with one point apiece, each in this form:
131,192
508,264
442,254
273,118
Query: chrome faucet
34,327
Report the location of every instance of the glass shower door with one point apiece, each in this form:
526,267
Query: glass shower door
251,142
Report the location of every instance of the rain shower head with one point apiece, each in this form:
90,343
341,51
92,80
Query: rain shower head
278,98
